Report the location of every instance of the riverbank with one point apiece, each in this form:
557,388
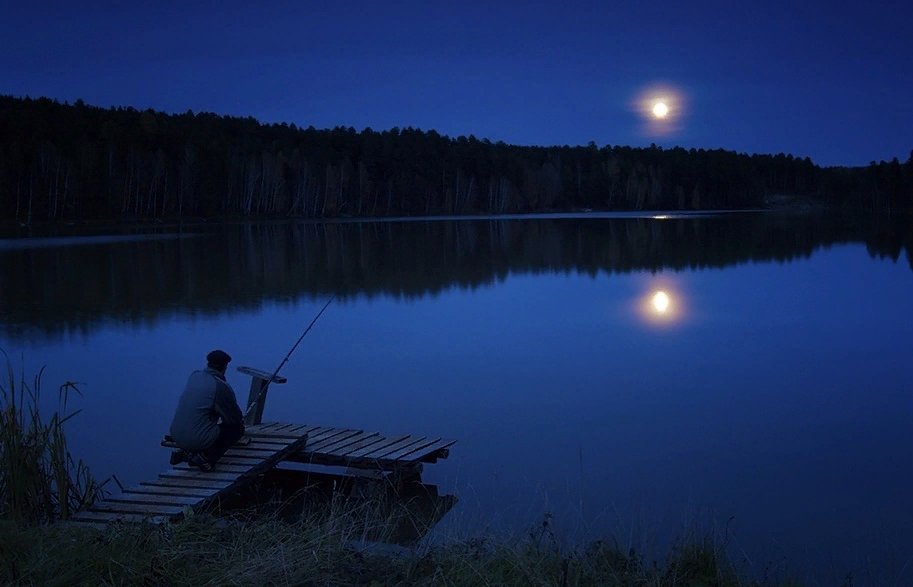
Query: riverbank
326,550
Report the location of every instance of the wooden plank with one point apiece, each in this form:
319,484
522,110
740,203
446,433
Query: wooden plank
260,444
230,460
262,447
191,483
219,467
390,443
109,517
405,442
198,475
396,455
284,426
272,434
340,435
270,427
408,440
426,450
257,429
299,429
417,451
359,439
265,443
167,490
154,499
325,434
243,452
339,439
309,429
318,430
343,450
134,508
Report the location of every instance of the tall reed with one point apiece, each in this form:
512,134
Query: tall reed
40,481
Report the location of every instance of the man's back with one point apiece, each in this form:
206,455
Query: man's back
195,424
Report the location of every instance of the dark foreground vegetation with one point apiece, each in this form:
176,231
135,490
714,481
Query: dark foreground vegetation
40,485
62,162
324,550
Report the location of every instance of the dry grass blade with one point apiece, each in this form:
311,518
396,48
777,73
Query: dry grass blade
40,481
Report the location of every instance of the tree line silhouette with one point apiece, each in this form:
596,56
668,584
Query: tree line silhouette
79,162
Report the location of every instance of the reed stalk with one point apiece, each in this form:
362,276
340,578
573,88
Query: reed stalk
40,481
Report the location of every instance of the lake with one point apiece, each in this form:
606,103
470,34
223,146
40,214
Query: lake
766,394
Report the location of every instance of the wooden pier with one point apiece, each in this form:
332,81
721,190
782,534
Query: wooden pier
185,489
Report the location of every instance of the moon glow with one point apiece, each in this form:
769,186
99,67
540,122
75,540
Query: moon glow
660,302
660,110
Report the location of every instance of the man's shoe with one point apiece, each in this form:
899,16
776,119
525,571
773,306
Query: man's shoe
177,456
200,462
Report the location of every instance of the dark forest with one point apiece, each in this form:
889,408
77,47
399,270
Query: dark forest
61,162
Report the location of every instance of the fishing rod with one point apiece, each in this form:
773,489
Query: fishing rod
285,360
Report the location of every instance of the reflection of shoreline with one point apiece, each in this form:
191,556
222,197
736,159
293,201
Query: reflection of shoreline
182,227
14,244
64,288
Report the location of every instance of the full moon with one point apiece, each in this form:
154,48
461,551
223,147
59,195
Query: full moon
660,302
660,110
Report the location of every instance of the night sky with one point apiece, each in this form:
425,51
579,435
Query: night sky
829,80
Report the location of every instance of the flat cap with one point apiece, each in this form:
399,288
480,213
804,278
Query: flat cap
218,357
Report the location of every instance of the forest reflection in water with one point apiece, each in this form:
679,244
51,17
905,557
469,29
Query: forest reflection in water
60,285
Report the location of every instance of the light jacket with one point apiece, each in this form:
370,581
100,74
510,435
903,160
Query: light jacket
206,398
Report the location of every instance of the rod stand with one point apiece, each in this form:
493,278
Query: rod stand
259,381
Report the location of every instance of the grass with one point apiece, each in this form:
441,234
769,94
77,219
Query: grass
320,550
39,479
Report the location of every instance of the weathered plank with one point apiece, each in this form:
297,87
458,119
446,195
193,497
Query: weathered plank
167,490
152,499
325,434
265,445
219,467
243,452
229,460
190,483
337,440
426,450
397,443
299,429
272,426
341,443
351,447
396,455
196,475
269,433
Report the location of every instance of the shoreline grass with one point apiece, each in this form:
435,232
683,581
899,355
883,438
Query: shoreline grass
323,550
40,481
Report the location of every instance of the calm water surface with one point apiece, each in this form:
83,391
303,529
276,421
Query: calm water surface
772,399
